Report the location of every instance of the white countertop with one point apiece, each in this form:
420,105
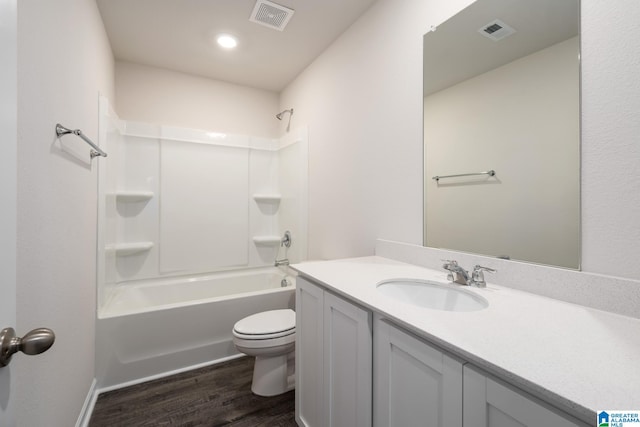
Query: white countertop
578,358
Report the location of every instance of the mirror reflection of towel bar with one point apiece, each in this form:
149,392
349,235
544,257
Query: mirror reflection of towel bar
490,173
61,130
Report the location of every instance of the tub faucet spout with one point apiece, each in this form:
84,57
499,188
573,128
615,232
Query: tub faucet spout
280,262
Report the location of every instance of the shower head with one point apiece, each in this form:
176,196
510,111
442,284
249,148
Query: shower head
279,115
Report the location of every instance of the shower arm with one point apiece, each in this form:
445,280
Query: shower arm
280,114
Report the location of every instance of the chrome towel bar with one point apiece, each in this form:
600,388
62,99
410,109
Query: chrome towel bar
61,130
490,173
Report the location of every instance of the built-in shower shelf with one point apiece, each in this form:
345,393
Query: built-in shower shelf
267,240
133,196
267,197
126,249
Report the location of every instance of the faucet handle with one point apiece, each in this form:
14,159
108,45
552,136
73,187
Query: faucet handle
481,268
449,263
477,276
286,239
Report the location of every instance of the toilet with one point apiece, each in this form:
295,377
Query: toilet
270,337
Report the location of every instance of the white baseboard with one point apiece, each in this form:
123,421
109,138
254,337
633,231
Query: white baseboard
165,374
87,407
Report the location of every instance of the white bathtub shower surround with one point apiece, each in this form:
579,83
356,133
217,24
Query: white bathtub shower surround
189,226
156,327
177,202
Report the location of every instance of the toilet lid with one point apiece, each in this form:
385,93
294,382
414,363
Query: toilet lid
267,323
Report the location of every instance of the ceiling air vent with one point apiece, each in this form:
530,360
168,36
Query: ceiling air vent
271,15
496,30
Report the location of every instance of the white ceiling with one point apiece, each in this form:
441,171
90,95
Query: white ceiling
180,35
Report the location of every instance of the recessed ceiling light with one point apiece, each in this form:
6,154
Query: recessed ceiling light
227,41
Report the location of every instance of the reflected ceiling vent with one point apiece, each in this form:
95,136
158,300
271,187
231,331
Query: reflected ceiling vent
496,30
271,15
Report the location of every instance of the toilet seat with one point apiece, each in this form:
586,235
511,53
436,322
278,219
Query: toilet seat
266,325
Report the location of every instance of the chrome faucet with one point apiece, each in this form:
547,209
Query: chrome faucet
280,262
461,276
477,276
286,239
285,243
456,274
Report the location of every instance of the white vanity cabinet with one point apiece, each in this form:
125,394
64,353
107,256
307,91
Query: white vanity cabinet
415,384
410,383
333,359
491,403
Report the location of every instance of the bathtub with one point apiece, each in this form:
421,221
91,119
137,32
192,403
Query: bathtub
152,328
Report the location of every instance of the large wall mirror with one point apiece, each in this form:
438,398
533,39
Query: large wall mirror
502,115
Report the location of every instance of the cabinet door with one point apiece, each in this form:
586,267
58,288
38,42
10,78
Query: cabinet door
488,403
309,362
415,384
347,363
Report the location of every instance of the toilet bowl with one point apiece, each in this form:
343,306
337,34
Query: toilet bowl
270,337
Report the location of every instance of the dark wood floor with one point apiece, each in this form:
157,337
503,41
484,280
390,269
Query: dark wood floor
218,395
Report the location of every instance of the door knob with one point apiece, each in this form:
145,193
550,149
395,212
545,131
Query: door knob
34,342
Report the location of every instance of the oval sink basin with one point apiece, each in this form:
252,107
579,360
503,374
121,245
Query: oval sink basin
431,295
